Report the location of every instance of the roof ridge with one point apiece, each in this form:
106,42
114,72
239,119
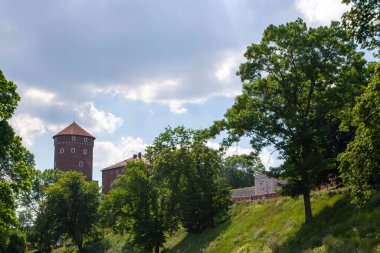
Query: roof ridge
74,129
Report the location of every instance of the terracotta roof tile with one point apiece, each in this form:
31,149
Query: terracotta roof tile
74,129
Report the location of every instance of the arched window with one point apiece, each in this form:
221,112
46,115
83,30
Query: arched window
80,164
85,139
62,150
73,150
73,138
85,151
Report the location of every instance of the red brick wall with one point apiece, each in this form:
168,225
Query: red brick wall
108,176
71,161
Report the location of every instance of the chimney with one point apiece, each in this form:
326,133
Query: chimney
139,155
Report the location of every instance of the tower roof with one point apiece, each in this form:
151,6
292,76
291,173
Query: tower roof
74,129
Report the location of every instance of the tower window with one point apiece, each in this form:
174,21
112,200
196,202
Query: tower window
62,150
80,164
73,138
85,151
85,139
73,150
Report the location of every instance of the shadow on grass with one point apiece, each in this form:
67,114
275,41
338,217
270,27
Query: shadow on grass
339,228
195,243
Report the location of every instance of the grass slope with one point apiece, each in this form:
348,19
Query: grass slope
277,226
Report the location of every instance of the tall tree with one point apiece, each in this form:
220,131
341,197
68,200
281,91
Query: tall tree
297,81
240,170
360,163
35,219
16,163
135,206
363,21
189,172
71,206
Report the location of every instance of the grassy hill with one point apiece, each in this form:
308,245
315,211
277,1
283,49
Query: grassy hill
277,226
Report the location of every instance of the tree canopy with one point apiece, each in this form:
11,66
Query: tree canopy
16,163
134,206
188,172
363,21
71,206
360,163
296,82
240,170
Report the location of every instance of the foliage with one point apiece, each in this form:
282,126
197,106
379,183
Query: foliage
360,163
16,163
134,206
239,170
188,173
297,81
71,206
363,21
277,226
17,242
32,198
33,215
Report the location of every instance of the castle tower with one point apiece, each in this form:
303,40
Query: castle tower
73,150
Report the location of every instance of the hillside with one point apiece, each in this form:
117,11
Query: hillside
277,226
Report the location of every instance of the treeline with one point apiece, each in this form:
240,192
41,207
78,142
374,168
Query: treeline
307,93
180,184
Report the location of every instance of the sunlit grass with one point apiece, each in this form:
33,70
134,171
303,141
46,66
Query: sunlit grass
277,226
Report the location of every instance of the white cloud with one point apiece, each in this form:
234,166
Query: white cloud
269,158
28,127
177,107
146,91
228,66
40,95
99,121
107,153
152,92
321,11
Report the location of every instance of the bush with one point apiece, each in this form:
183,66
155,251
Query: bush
17,242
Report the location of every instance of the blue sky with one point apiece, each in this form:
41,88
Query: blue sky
128,68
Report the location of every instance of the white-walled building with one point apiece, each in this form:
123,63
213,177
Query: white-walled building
265,185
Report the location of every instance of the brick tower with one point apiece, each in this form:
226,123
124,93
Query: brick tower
73,150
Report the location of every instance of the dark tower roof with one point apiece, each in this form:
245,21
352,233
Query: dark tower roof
74,129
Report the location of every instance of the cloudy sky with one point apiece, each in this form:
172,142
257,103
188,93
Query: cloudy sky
126,69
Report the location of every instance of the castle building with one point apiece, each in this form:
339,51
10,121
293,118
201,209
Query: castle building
110,173
74,150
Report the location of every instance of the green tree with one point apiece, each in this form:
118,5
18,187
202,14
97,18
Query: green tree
240,170
17,242
34,218
16,163
134,205
297,81
189,171
71,206
363,21
360,163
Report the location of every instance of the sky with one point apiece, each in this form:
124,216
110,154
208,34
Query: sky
126,69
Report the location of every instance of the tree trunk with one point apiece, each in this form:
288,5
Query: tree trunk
80,244
157,249
307,204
